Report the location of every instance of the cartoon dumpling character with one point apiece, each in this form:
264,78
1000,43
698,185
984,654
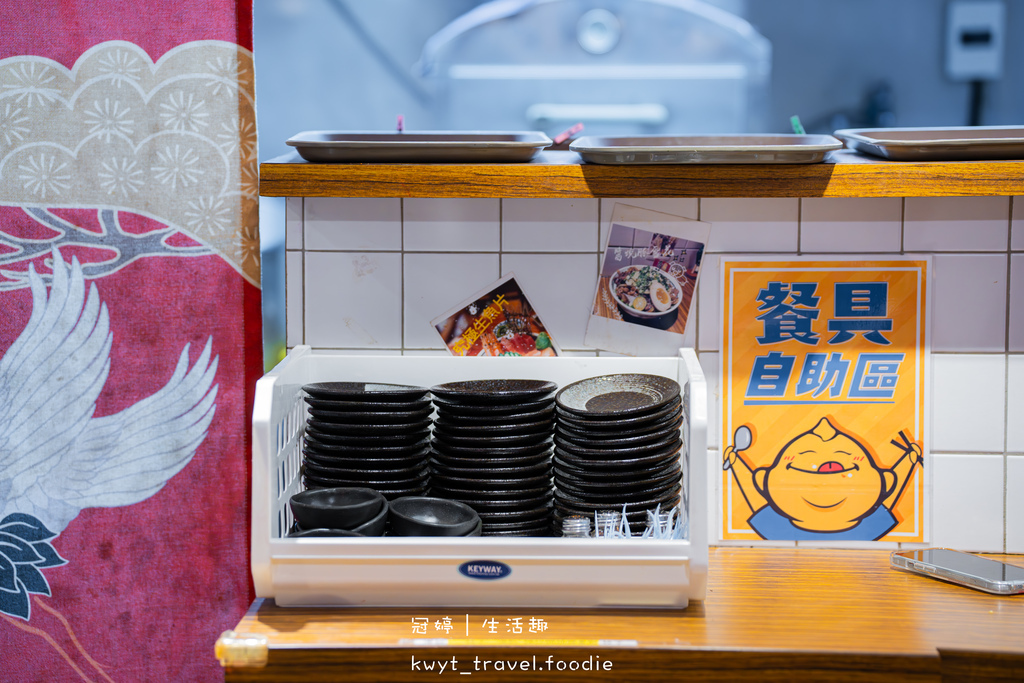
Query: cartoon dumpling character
823,485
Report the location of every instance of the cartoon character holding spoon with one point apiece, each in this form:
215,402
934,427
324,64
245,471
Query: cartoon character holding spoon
823,485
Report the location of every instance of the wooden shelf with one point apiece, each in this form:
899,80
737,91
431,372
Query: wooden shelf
560,174
770,614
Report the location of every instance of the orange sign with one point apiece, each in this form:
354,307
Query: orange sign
824,371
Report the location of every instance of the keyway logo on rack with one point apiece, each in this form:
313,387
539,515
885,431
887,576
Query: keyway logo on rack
486,570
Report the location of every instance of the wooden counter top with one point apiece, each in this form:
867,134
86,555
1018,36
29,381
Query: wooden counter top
770,614
561,174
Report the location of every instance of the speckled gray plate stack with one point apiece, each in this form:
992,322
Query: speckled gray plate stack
491,449
617,442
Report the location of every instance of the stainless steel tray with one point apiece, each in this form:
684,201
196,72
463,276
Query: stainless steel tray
937,144
706,149
342,146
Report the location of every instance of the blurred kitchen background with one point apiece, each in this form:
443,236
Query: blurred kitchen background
625,67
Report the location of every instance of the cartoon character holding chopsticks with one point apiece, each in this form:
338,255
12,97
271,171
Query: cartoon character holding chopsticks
823,486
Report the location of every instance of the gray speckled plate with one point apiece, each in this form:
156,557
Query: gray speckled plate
617,395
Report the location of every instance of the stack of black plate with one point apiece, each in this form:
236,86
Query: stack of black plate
492,448
617,443
368,435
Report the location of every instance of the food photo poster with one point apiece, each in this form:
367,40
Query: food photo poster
497,321
648,279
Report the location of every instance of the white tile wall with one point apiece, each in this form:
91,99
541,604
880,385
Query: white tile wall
437,283
956,223
971,315
568,225
353,299
970,515
294,309
1015,405
752,225
293,222
684,207
1016,322
968,407
1017,224
353,223
851,225
561,289
451,225
709,309
367,276
710,364
1015,504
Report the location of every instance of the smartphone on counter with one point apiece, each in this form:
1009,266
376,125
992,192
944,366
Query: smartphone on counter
965,569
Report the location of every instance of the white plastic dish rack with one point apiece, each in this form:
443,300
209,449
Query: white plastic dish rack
425,571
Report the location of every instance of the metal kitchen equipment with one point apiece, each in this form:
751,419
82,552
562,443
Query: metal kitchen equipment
422,571
621,67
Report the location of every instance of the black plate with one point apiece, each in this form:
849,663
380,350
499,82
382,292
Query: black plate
372,417
669,430
382,406
382,485
388,491
494,485
485,505
573,431
449,407
605,423
363,440
488,463
505,452
495,391
324,424
672,441
666,499
482,493
531,532
498,473
373,449
499,441
630,479
446,416
632,464
614,498
384,474
496,428
538,525
365,391
617,395
520,516
363,462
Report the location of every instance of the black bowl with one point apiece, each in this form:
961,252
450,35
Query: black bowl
378,525
425,516
337,508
